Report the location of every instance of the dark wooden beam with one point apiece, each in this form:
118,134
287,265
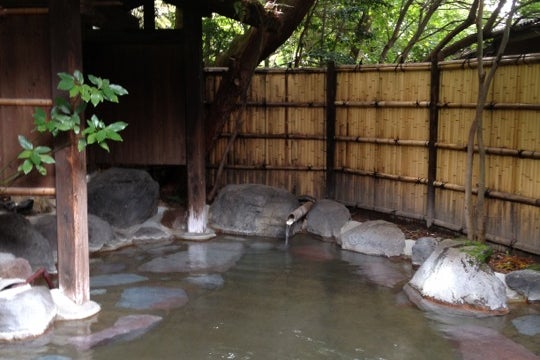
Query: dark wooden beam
71,196
434,95
331,86
195,139
149,15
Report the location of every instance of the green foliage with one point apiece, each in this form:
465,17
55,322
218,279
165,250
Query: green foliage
478,250
66,116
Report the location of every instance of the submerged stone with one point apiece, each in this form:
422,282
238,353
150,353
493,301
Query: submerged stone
209,281
528,324
379,270
125,328
480,343
115,279
146,297
199,257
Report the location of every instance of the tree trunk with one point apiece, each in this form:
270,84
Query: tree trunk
250,49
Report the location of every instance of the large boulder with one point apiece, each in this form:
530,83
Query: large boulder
252,209
377,237
19,237
25,311
422,249
123,197
453,277
326,218
100,232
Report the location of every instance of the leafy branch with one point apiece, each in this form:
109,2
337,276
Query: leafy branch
66,116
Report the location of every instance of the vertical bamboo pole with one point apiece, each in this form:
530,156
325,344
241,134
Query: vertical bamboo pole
434,94
331,86
71,196
195,140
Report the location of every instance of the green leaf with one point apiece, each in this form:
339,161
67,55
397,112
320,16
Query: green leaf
104,146
25,154
26,167
95,80
47,159
41,169
78,76
42,149
25,144
90,139
40,119
96,98
35,158
118,90
101,135
81,144
113,135
117,126
66,82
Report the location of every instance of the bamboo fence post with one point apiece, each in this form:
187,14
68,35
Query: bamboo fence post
331,87
434,93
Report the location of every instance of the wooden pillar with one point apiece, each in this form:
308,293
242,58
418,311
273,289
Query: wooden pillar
432,142
149,15
195,139
331,85
71,196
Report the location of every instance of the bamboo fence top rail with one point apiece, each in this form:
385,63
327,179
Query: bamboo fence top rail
28,191
23,11
25,102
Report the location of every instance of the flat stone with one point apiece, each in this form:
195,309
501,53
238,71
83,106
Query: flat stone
115,279
199,257
208,282
481,343
125,328
145,298
528,324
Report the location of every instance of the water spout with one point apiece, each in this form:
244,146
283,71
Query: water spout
294,216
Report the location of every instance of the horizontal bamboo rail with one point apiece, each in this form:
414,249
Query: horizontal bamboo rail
27,191
25,102
271,167
274,136
358,139
23,11
499,195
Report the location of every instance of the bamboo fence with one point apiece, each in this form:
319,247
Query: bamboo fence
382,138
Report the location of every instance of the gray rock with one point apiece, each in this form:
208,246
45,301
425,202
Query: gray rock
451,276
376,237
123,197
326,218
422,248
125,328
25,312
528,324
99,231
19,237
525,282
252,209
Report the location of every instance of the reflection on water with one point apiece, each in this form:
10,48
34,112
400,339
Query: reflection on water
255,299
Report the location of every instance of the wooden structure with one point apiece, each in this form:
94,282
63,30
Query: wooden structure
392,139
150,64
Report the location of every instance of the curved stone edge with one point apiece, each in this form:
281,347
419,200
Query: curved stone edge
66,309
431,305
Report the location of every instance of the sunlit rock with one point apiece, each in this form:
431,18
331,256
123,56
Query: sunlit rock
326,218
25,311
152,298
252,209
453,277
376,237
199,257
125,328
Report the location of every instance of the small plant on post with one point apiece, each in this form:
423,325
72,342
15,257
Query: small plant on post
66,116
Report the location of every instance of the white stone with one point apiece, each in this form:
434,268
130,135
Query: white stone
69,310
